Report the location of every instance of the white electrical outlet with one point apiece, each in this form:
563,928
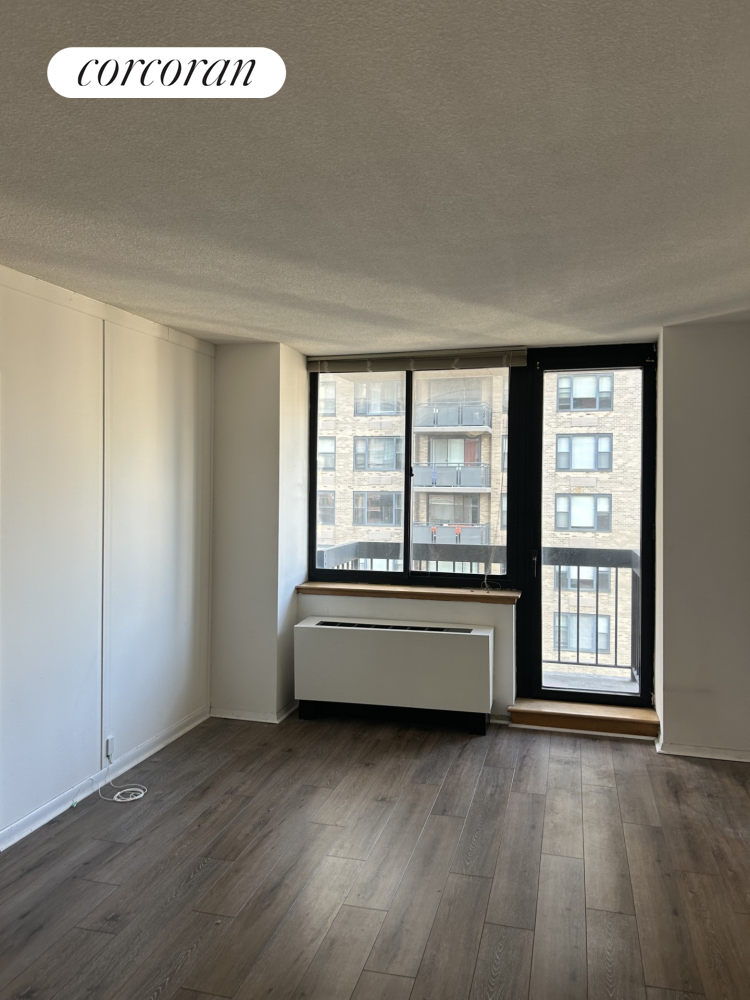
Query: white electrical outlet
110,747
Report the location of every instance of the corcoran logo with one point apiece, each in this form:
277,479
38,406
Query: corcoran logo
166,72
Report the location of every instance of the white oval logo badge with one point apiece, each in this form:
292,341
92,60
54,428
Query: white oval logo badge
166,72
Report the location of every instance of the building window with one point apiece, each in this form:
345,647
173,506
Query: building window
327,453
327,399
378,454
446,509
377,399
377,508
579,633
584,392
584,452
569,577
326,507
576,512
503,511
504,453
455,451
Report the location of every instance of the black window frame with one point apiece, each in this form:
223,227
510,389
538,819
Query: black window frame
517,381
597,451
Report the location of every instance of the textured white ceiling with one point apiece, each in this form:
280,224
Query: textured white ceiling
432,174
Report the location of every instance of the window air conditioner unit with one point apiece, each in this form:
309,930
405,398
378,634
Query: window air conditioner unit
368,661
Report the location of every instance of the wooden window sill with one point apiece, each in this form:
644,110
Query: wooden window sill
410,593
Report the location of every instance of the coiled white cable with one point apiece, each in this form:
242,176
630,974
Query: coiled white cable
124,793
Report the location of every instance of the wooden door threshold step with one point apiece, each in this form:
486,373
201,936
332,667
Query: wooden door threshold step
615,719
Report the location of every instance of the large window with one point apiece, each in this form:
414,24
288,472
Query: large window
379,398
584,452
580,632
435,473
579,512
378,453
377,508
584,392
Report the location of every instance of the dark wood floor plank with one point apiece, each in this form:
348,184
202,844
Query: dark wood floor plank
565,745
558,965
167,967
169,880
503,969
403,936
457,791
481,837
33,920
378,986
721,947
265,808
605,858
382,872
628,756
225,970
637,803
597,766
283,963
653,993
514,888
128,950
56,967
433,763
503,749
563,816
533,762
240,881
614,956
365,779
447,966
366,810
687,828
357,749
666,947
338,963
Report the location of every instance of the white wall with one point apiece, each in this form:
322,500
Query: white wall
53,428
158,414
260,526
500,616
703,638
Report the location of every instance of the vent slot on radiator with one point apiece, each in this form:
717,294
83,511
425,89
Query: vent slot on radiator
395,628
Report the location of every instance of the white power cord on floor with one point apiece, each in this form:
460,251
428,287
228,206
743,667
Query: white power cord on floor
124,793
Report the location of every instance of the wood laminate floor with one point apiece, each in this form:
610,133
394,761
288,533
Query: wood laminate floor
338,859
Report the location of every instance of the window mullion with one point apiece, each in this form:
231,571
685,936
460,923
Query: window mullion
406,514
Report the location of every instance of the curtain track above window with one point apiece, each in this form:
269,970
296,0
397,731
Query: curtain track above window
419,361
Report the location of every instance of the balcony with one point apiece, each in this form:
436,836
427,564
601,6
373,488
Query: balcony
453,416
454,476
451,534
616,668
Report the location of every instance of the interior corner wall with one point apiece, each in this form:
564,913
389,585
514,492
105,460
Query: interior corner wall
293,499
705,587
260,533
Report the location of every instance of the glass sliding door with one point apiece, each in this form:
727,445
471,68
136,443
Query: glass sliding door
590,573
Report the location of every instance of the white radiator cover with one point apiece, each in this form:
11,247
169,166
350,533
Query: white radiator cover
381,666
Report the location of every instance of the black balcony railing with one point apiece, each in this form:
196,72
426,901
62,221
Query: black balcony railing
434,549
450,475
613,560
453,415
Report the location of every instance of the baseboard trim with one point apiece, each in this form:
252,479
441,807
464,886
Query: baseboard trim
27,824
712,753
273,717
